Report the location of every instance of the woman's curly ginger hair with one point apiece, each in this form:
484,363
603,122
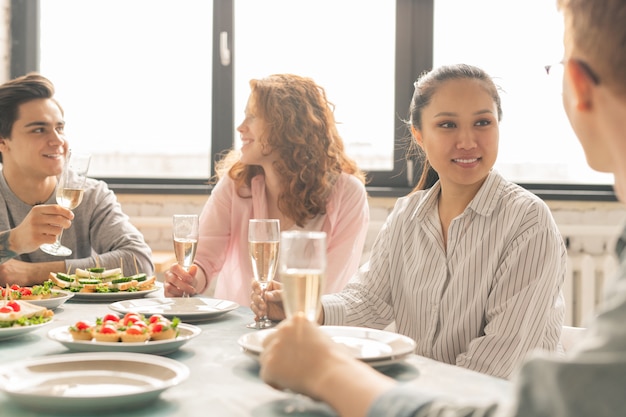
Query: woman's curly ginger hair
301,129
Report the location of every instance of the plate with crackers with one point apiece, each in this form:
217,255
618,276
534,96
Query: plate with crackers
132,332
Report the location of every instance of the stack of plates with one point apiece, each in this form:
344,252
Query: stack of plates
186,309
377,348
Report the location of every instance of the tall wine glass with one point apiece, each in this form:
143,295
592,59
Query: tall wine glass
302,268
263,244
69,194
185,236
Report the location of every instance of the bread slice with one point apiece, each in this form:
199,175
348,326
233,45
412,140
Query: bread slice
147,284
61,280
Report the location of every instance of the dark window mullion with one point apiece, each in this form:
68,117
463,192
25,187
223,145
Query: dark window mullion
414,55
223,85
24,37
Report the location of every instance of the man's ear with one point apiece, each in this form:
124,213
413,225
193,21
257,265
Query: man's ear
417,135
581,85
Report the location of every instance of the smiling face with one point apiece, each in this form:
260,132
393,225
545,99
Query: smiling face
460,132
37,143
254,151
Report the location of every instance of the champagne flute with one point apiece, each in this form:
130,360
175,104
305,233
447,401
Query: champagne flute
185,236
69,194
302,268
263,244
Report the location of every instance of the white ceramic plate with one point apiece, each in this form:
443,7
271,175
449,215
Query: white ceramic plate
57,298
114,296
186,309
10,332
90,382
375,347
157,347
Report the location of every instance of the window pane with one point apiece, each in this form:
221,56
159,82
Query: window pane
513,43
134,79
352,58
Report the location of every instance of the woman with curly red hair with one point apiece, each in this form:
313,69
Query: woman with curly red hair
292,166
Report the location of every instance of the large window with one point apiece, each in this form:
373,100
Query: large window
155,88
513,42
139,97
134,79
353,59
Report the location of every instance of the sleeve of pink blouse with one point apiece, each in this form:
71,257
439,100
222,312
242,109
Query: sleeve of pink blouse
346,228
215,229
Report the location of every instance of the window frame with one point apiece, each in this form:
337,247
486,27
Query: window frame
414,55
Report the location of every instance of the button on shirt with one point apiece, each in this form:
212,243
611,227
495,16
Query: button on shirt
491,297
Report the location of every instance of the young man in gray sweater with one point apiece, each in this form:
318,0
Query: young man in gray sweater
33,149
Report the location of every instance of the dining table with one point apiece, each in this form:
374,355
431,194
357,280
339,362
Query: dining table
224,381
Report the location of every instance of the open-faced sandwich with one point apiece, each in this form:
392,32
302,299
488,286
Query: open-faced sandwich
131,328
36,292
101,280
17,313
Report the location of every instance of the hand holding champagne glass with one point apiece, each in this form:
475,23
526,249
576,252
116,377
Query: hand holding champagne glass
69,193
302,268
263,244
185,234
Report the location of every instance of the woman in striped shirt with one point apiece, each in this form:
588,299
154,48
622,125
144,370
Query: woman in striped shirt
471,267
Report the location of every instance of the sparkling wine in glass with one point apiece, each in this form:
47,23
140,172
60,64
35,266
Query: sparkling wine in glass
263,245
302,269
69,194
185,234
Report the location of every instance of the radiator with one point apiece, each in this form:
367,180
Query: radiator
585,278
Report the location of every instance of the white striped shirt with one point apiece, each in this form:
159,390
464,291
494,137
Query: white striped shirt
483,304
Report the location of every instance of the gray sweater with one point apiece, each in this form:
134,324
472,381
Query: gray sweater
99,228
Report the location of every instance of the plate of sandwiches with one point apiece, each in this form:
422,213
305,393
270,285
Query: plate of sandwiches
100,284
19,317
43,295
132,332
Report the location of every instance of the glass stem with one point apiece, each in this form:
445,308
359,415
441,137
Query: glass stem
264,319
57,244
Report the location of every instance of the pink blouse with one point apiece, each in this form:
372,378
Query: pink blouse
223,243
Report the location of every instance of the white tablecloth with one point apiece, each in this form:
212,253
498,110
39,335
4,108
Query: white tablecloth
224,381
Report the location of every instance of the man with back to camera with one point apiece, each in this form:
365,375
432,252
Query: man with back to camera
590,380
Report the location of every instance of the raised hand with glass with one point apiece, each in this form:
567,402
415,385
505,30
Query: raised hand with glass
263,244
69,194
